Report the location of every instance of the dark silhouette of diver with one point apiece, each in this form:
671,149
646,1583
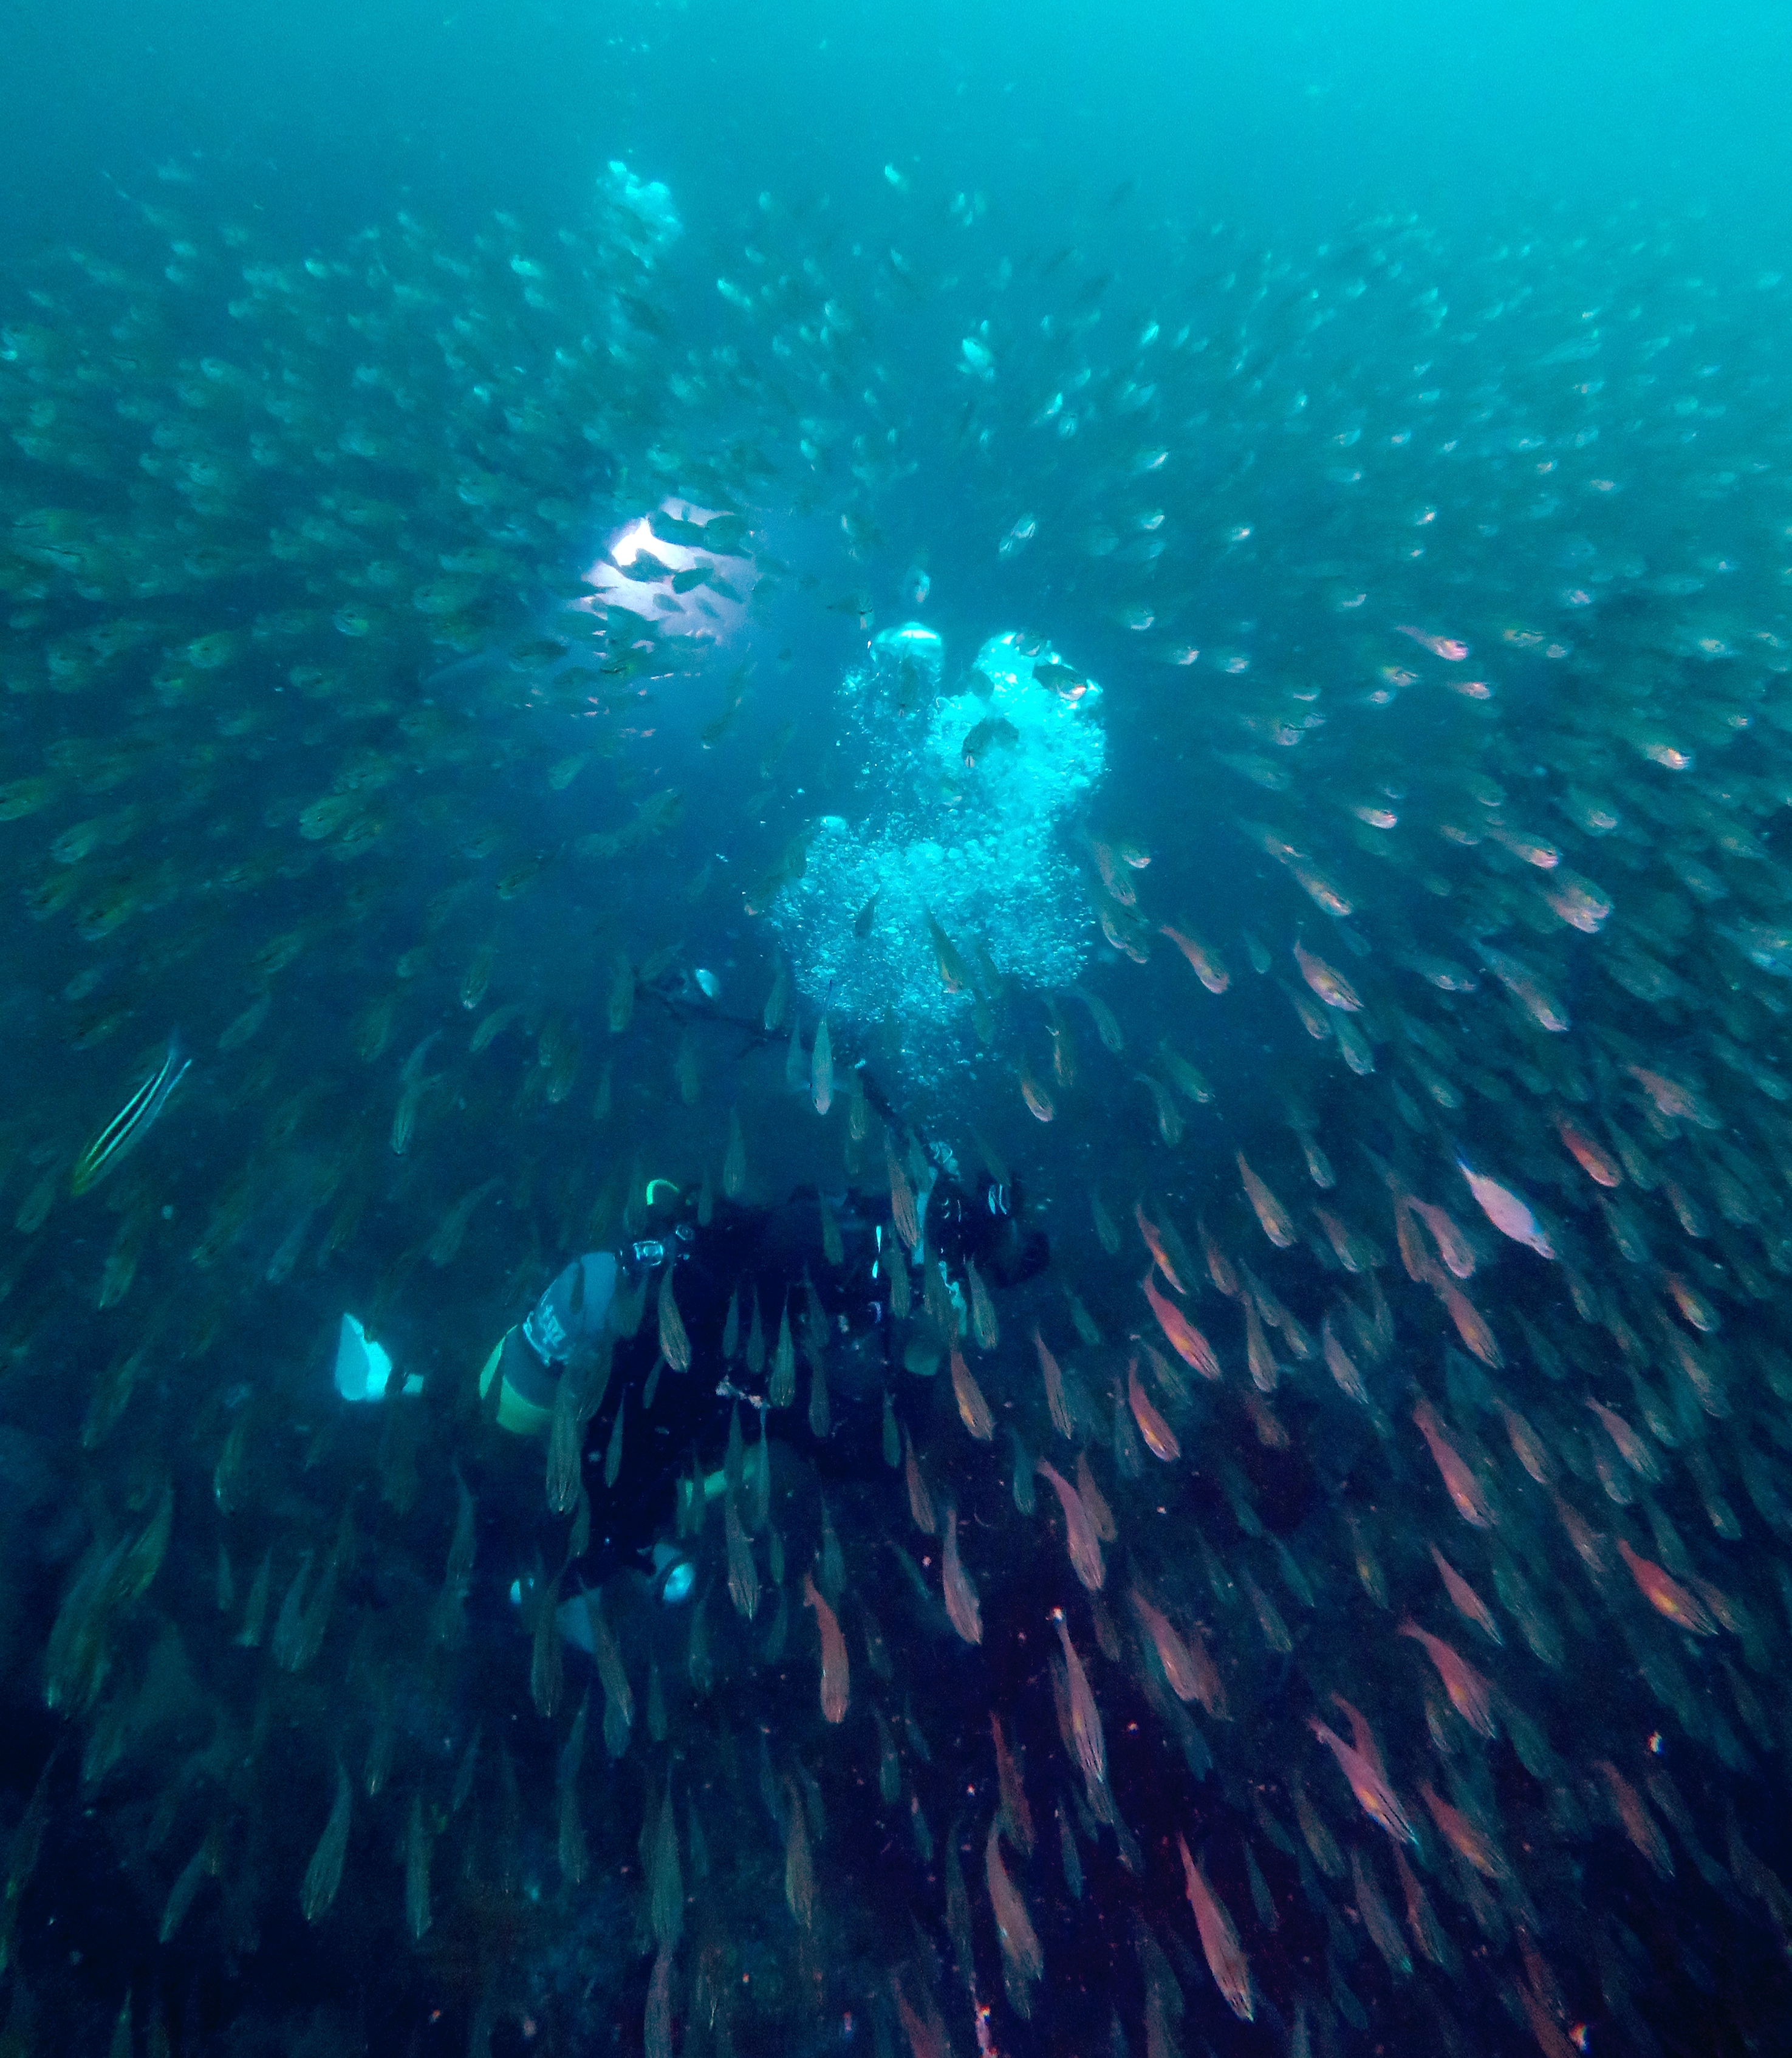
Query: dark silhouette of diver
676,1423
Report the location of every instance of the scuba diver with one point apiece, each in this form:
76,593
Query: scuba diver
733,1284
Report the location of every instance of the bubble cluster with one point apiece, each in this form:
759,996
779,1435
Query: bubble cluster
975,789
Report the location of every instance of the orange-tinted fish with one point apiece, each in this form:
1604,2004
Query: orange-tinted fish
1426,1929
1100,1516
1528,1446
1470,1325
920,1501
1313,1017
1188,1667
1208,969
1112,877
1413,1252
1350,1248
1326,980
1319,1165
1469,1693
1362,1735
1464,1598
674,1343
1463,1837
1265,1372
1588,1546
1526,988
1699,1374
1219,1265
1319,889
1079,1531
973,1409
961,1596
1182,1337
1225,1955
954,974
1593,1159
1667,1596
1014,1929
923,2027
1377,1918
1160,1439
1053,1376
1640,1826
1369,1784
1086,1722
1016,1817
1551,2040
836,1682
1039,1103
1340,1363
1264,1421
984,1324
1578,902
902,1198
1531,849
1632,1449
1692,1305
1453,1247
1672,1099
1686,1210
1459,1482
1153,1243
1449,648
1275,1218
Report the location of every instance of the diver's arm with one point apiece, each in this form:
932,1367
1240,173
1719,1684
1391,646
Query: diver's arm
571,1311
528,1357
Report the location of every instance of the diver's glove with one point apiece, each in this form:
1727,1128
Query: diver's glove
571,1311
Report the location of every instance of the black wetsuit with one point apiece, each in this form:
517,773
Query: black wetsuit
777,1254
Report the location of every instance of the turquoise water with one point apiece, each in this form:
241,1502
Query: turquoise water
1210,598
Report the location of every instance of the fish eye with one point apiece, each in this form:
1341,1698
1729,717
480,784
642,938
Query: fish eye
678,1584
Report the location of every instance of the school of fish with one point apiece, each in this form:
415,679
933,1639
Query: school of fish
1335,1607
